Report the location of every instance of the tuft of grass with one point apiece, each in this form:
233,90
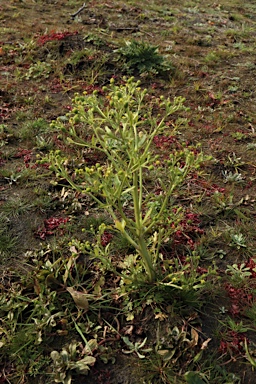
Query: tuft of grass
8,242
16,206
142,57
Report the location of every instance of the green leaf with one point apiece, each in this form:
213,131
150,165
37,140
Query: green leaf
82,366
120,225
193,378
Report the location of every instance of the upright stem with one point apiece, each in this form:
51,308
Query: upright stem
143,250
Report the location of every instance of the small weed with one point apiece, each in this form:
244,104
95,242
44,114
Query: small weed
230,177
67,360
142,57
211,58
79,57
238,273
39,70
250,313
235,161
239,135
251,146
250,353
137,347
7,242
44,143
16,206
238,240
5,135
30,129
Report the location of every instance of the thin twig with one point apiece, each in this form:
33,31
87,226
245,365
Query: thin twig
79,10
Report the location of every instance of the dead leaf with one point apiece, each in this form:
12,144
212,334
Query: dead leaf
128,330
194,336
79,298
161,316
73,249
205,344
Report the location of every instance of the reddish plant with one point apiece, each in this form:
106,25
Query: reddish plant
233,343
164,142
106,238
49,226
54,36
240,298
204,185
251,264
26,154
189,226
5,112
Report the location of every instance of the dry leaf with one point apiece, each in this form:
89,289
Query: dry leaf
73,249
161,316
205,344
128,330
194,335
79,298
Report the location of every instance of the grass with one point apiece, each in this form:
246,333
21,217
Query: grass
62,245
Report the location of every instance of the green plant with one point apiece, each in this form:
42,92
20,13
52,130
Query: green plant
230,177
238,241
234,326
235,162
211,57
31,129
158,372
8,242
26,317
250,353
79,57
123,132
5,135
238,273
17,206
143,57
137,347
250,313
67,360
94,39
176,351
195,378
38,70
239,135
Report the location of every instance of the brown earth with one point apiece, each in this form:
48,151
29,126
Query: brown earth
213,49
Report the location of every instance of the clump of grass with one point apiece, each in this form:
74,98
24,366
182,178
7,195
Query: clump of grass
142,57
16,206
7,241
30,129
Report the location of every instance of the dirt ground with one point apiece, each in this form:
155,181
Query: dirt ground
47,55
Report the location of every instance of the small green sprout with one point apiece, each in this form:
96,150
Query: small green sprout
136,347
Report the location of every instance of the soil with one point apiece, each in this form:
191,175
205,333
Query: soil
212,47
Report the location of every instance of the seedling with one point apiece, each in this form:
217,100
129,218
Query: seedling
136,347
238,273
66,361
238,240
230,177
38,70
